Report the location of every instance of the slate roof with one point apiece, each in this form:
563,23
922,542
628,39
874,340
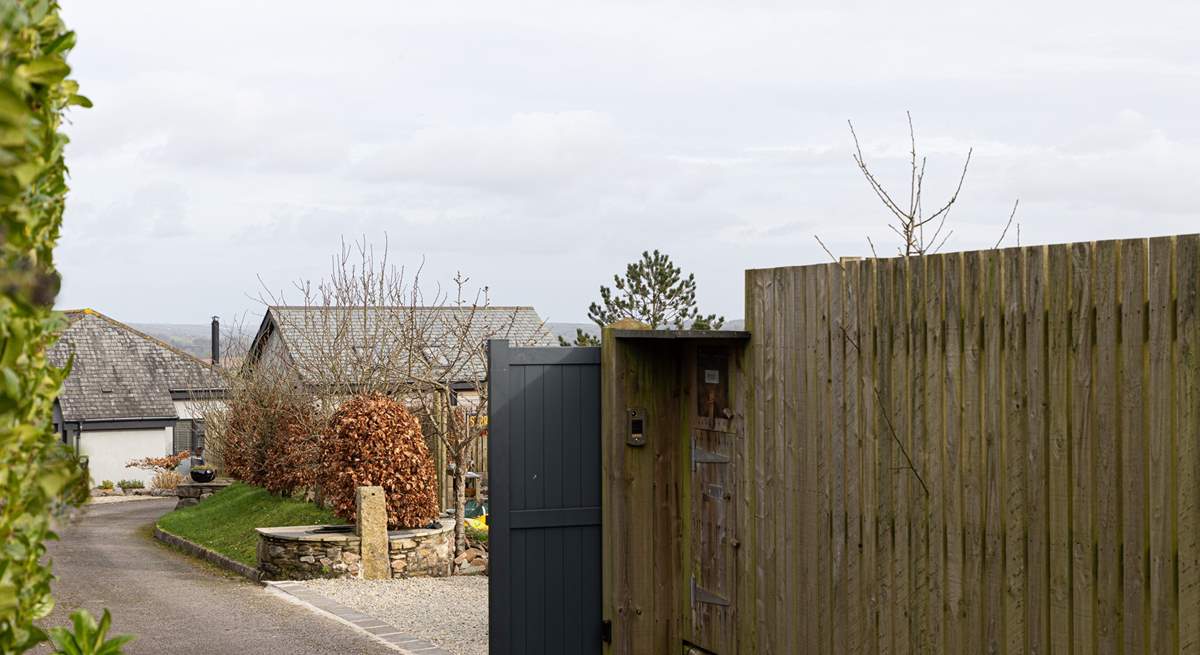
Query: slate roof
120,373
308,332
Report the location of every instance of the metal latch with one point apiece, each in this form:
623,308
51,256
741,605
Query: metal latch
702,595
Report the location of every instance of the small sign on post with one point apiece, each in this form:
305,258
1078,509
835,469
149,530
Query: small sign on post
371,529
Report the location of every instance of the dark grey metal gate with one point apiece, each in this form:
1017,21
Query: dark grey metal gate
544,507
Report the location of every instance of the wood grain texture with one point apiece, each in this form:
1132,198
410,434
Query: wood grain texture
952,485
994,465
1058,449
1082,447
1108,452
1134,505
1015,431
1049,399
1187,431
973,454
1161,487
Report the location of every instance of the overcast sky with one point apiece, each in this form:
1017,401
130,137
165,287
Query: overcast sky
540,147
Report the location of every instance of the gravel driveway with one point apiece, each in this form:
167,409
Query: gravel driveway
450,612
173,603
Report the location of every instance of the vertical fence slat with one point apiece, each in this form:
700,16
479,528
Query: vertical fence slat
785,410
902,567
973,511
1058,451
1108,451
810,493
1082,435
1187,427
1015,430
1133,438
993,410
886,519
853,479
755,615
952,487
778,561
824,443
933,447
769,482
1037,605
1161,448
871,437
837,453
919,500
794,528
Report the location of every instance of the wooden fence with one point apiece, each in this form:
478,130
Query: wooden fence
990,451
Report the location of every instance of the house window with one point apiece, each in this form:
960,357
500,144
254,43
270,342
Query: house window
183,435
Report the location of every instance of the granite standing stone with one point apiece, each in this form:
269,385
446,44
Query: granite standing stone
372,533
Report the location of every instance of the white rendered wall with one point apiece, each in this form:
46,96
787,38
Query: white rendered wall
109,450
185,409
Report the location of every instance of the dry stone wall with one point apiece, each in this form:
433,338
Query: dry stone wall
301,553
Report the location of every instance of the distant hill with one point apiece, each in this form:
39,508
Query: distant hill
193,338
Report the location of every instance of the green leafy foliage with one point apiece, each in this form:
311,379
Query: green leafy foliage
476,534
38,476
87,637
653,291
126,485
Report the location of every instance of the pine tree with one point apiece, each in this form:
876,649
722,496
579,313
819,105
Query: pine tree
654,292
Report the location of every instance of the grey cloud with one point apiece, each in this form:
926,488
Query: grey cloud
542,145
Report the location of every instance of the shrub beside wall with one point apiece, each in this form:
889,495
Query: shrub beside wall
374,440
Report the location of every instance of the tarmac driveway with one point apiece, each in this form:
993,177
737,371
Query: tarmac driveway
174,604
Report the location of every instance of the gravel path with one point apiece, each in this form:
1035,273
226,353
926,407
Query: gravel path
450,612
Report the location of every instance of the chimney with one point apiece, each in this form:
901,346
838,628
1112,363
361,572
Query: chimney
216,340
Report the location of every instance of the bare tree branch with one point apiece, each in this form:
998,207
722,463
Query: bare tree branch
1009,223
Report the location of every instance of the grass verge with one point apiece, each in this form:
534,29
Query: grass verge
225,522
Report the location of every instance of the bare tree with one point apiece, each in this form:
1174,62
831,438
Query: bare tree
910,220
371,328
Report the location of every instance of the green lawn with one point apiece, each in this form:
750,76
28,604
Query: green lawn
225,522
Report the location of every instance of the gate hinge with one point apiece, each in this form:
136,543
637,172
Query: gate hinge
606,631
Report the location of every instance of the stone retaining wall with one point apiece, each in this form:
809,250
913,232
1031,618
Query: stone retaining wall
299,553
191,493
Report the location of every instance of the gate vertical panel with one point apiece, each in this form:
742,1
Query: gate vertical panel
544,451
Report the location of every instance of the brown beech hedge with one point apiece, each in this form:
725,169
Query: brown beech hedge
374,440
267,444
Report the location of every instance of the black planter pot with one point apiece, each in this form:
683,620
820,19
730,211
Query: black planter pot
203,476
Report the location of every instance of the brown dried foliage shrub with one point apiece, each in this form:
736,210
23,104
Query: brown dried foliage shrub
375,441
165,480
165,463
268,443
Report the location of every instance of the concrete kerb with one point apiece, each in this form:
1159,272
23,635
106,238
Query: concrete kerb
381,631
196,550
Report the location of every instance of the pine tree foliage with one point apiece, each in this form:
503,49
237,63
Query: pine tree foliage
655,292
